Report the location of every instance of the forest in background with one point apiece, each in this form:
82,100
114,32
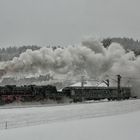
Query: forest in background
128,44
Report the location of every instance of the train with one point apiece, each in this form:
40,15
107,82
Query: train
29,93
97,93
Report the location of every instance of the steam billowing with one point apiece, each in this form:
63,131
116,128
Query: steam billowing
87,57
90,58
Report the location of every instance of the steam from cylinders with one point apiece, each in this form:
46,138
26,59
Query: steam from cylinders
89,57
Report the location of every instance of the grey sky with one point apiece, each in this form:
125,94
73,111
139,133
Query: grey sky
65,22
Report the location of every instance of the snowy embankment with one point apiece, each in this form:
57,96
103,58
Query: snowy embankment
19,117
120,127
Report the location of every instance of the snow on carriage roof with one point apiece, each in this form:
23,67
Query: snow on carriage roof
88,84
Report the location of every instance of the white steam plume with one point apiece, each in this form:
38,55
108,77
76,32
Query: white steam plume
90,57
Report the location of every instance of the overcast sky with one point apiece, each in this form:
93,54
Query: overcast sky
65,22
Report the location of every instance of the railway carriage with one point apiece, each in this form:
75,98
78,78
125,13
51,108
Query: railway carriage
97,93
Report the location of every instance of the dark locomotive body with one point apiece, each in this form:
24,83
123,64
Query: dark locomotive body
11,93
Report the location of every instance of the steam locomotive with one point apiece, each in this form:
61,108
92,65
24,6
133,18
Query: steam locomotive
28,93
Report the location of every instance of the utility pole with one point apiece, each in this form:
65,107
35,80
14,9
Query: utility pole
82,87
119,86
82,81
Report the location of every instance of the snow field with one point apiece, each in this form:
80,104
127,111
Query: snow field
19,117
119,127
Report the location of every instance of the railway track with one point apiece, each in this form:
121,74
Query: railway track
56,104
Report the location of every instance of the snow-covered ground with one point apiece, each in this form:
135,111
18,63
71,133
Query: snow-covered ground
120,127
18,117
99,121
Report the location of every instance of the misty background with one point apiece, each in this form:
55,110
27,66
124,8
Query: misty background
65,22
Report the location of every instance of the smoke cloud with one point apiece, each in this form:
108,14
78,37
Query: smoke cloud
90,57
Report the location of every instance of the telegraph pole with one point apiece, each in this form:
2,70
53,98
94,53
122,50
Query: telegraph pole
82,87
82,81
119,86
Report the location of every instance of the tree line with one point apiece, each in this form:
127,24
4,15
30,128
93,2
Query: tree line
128,44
